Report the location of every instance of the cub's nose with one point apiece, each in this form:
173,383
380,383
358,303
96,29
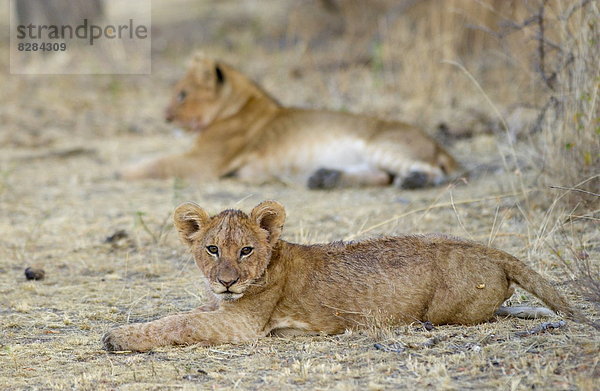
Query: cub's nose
228,283
169,116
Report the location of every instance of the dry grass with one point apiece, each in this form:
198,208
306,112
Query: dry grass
62,138
571,134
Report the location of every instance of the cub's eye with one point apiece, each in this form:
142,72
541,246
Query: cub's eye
181,96
246,251
212,250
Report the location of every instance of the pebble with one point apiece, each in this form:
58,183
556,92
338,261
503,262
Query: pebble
118,235
32,273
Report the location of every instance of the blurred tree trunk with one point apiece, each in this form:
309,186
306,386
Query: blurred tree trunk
57,12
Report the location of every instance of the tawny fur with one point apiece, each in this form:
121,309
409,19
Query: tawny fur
287,288
243,132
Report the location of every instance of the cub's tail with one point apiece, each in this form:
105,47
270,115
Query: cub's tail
533,282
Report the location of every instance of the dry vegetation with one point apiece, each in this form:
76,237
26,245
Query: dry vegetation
518,106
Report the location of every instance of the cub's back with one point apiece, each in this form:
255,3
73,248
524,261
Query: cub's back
421,261
398,276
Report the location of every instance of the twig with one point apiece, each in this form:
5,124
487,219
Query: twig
584,217
227,353
60,154
552,102
165,227
568,13
510,26
400,347
542,47
574,189
394,348
541,328
458,216
140,220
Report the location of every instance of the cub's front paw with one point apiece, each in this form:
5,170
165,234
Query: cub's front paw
125,338
113,342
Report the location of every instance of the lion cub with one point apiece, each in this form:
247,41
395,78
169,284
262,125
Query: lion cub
260,285
244,133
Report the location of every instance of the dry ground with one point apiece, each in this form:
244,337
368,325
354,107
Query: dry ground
62,139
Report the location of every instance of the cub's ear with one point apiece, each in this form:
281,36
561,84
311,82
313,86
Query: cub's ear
270,216
189,218
202,70
219,74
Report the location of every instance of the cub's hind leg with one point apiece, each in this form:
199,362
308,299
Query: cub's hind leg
356,176
414,159
524,312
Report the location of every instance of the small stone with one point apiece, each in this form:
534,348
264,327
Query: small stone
112,277
118,235
480,286
194,377
428,326
32,273
583,255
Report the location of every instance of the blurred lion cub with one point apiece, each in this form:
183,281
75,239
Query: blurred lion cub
244,132
259,284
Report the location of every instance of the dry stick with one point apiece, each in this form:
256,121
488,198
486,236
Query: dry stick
541,328
542,49
133,304
164,227
501,235
574,7
243,199
448,188
594,104
458,217
495,231
140,220
574,189
584,217
60,153
492,236
543,229
442,205
200,299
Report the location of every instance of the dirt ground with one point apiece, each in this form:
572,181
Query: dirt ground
62,138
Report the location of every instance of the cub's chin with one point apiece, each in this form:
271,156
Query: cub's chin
194,126
229,296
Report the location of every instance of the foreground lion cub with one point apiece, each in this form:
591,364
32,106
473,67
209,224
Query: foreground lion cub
260,285
243,132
